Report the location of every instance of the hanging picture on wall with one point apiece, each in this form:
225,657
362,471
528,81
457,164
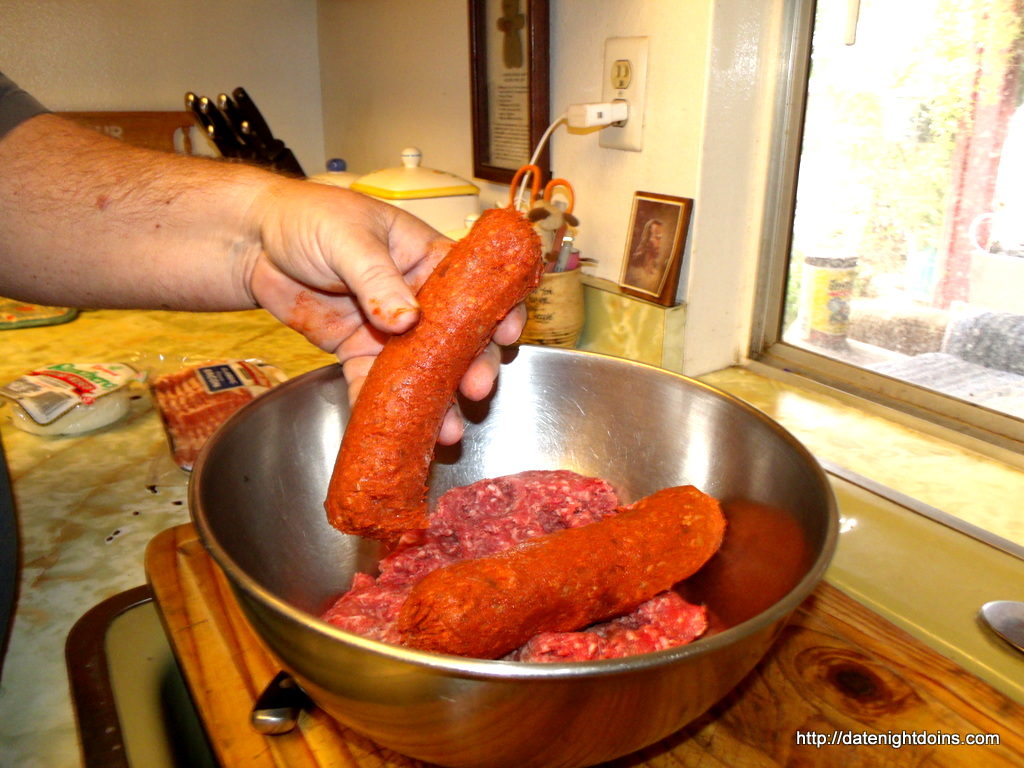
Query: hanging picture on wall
509,68
658,226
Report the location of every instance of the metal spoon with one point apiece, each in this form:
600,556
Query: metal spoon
277,709
1006,619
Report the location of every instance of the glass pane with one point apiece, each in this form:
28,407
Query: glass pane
908,239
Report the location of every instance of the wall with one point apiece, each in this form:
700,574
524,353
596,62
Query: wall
396,72
417,91
144,54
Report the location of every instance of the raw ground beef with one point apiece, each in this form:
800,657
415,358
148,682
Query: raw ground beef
664,621
493,515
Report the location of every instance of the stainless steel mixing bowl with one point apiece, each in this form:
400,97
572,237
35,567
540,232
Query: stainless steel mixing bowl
257,495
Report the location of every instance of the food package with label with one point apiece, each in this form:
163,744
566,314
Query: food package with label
71,398
195,400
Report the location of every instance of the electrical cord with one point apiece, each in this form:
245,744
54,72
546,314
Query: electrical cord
536,154
587,115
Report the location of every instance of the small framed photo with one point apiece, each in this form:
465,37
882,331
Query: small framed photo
657,232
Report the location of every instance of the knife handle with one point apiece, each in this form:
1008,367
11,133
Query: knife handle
257,125
286,163
223,134
230,110
251,149
233,116
192,105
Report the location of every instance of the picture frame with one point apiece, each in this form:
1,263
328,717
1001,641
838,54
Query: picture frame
658,228
509,67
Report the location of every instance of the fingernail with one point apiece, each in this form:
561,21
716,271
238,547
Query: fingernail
392,309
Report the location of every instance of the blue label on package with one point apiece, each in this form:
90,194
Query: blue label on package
219,377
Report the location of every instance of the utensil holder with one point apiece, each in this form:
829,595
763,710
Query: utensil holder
555,311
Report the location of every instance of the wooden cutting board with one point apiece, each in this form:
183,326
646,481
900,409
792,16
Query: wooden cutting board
836,668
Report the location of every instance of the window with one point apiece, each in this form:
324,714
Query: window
897,270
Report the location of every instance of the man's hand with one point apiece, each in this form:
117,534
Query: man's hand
343,269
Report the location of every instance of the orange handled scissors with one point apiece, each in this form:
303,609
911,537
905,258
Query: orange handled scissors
535,193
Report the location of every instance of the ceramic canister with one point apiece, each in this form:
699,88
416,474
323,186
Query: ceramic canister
441,199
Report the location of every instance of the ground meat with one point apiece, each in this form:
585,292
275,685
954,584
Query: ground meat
491,516
471,521
664,621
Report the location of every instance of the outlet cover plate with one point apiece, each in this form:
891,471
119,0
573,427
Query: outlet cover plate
624,76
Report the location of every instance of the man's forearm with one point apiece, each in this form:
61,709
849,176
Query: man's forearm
88,221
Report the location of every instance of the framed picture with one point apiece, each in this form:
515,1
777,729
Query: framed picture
509,69
658,226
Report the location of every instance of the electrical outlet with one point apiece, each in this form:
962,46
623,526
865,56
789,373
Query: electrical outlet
625,78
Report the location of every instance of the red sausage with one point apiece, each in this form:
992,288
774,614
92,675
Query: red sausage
563,581
378,488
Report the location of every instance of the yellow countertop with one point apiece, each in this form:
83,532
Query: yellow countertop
981,490
89,505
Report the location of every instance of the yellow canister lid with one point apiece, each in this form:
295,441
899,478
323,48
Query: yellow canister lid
412,181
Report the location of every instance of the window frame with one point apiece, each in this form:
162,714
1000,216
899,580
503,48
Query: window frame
766,345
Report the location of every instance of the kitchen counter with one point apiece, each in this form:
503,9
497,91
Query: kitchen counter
838,429
89,505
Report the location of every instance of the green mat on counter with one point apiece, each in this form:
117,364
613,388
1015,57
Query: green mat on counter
20,314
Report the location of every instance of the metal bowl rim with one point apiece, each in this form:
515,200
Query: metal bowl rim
493,668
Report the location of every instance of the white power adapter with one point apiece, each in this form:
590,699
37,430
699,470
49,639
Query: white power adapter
597,114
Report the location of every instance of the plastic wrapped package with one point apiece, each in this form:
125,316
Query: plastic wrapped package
196,399
70,398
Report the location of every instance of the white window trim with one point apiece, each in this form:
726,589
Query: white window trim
720,285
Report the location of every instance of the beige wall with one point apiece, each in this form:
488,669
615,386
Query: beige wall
396,72
145,54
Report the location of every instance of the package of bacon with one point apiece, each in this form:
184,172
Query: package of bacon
195,400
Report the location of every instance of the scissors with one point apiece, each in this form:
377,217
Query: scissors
535,193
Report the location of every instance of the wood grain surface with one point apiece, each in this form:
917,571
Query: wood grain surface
838,670
153,130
